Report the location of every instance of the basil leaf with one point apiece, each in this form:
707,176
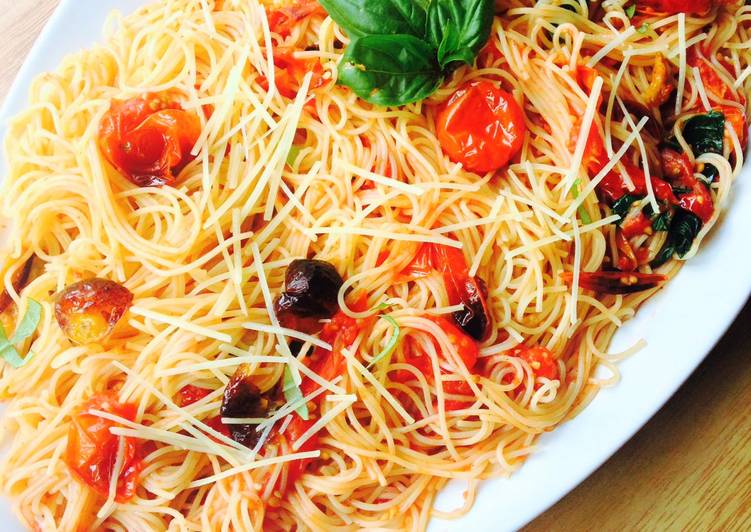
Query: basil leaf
683,230
293,394
623,205
630,10
661,222
391,344
644,28
458,29
705,133
377,17
8,351
390,70
29,323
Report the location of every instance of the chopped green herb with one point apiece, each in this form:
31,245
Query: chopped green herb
623,205
29,323
683,230
661,222
391,344
26,328
293,394
705,133
383,306
630,10
644,28
583,214
294,151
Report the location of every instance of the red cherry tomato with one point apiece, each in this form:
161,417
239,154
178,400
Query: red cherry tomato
92,448
540,359
189,394
672,7
460,286
148,139
282,21
481,126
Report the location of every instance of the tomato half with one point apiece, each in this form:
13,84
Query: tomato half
92,448
148,139
481,126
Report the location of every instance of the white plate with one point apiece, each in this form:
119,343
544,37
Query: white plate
681,325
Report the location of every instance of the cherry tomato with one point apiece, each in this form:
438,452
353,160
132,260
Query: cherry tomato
676,167
87,311
460,286
636,225
672,7
289,72
282,21
616,282
92,448
627,260
148,139
481,126
189,394
540,359
737,119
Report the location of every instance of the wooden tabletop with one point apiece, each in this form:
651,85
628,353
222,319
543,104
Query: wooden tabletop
689,468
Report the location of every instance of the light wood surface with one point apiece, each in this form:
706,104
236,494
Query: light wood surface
689,468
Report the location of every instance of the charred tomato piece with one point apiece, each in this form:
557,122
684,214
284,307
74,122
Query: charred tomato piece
616,282
242,398
310,294
87,311
19,279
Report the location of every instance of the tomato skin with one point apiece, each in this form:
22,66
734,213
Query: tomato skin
282,21
698,201
289,72
616,282
467,350
148,139
189,394
481,126
672,7
92,449
638,225
540,359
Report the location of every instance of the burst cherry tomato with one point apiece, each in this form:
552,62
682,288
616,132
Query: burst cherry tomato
92,448
540,359
190,394
289,72
481,127
283,20
87,311
460,286
148,139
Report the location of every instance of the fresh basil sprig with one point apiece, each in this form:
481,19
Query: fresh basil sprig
400,50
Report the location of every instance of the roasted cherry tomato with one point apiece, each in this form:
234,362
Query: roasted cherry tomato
465,347
460,286
672,7
616,282
92,448
87,311
481,126
310,293
627,260
148,139
540,359
698,201
636,225
189,394
289,72
283,20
